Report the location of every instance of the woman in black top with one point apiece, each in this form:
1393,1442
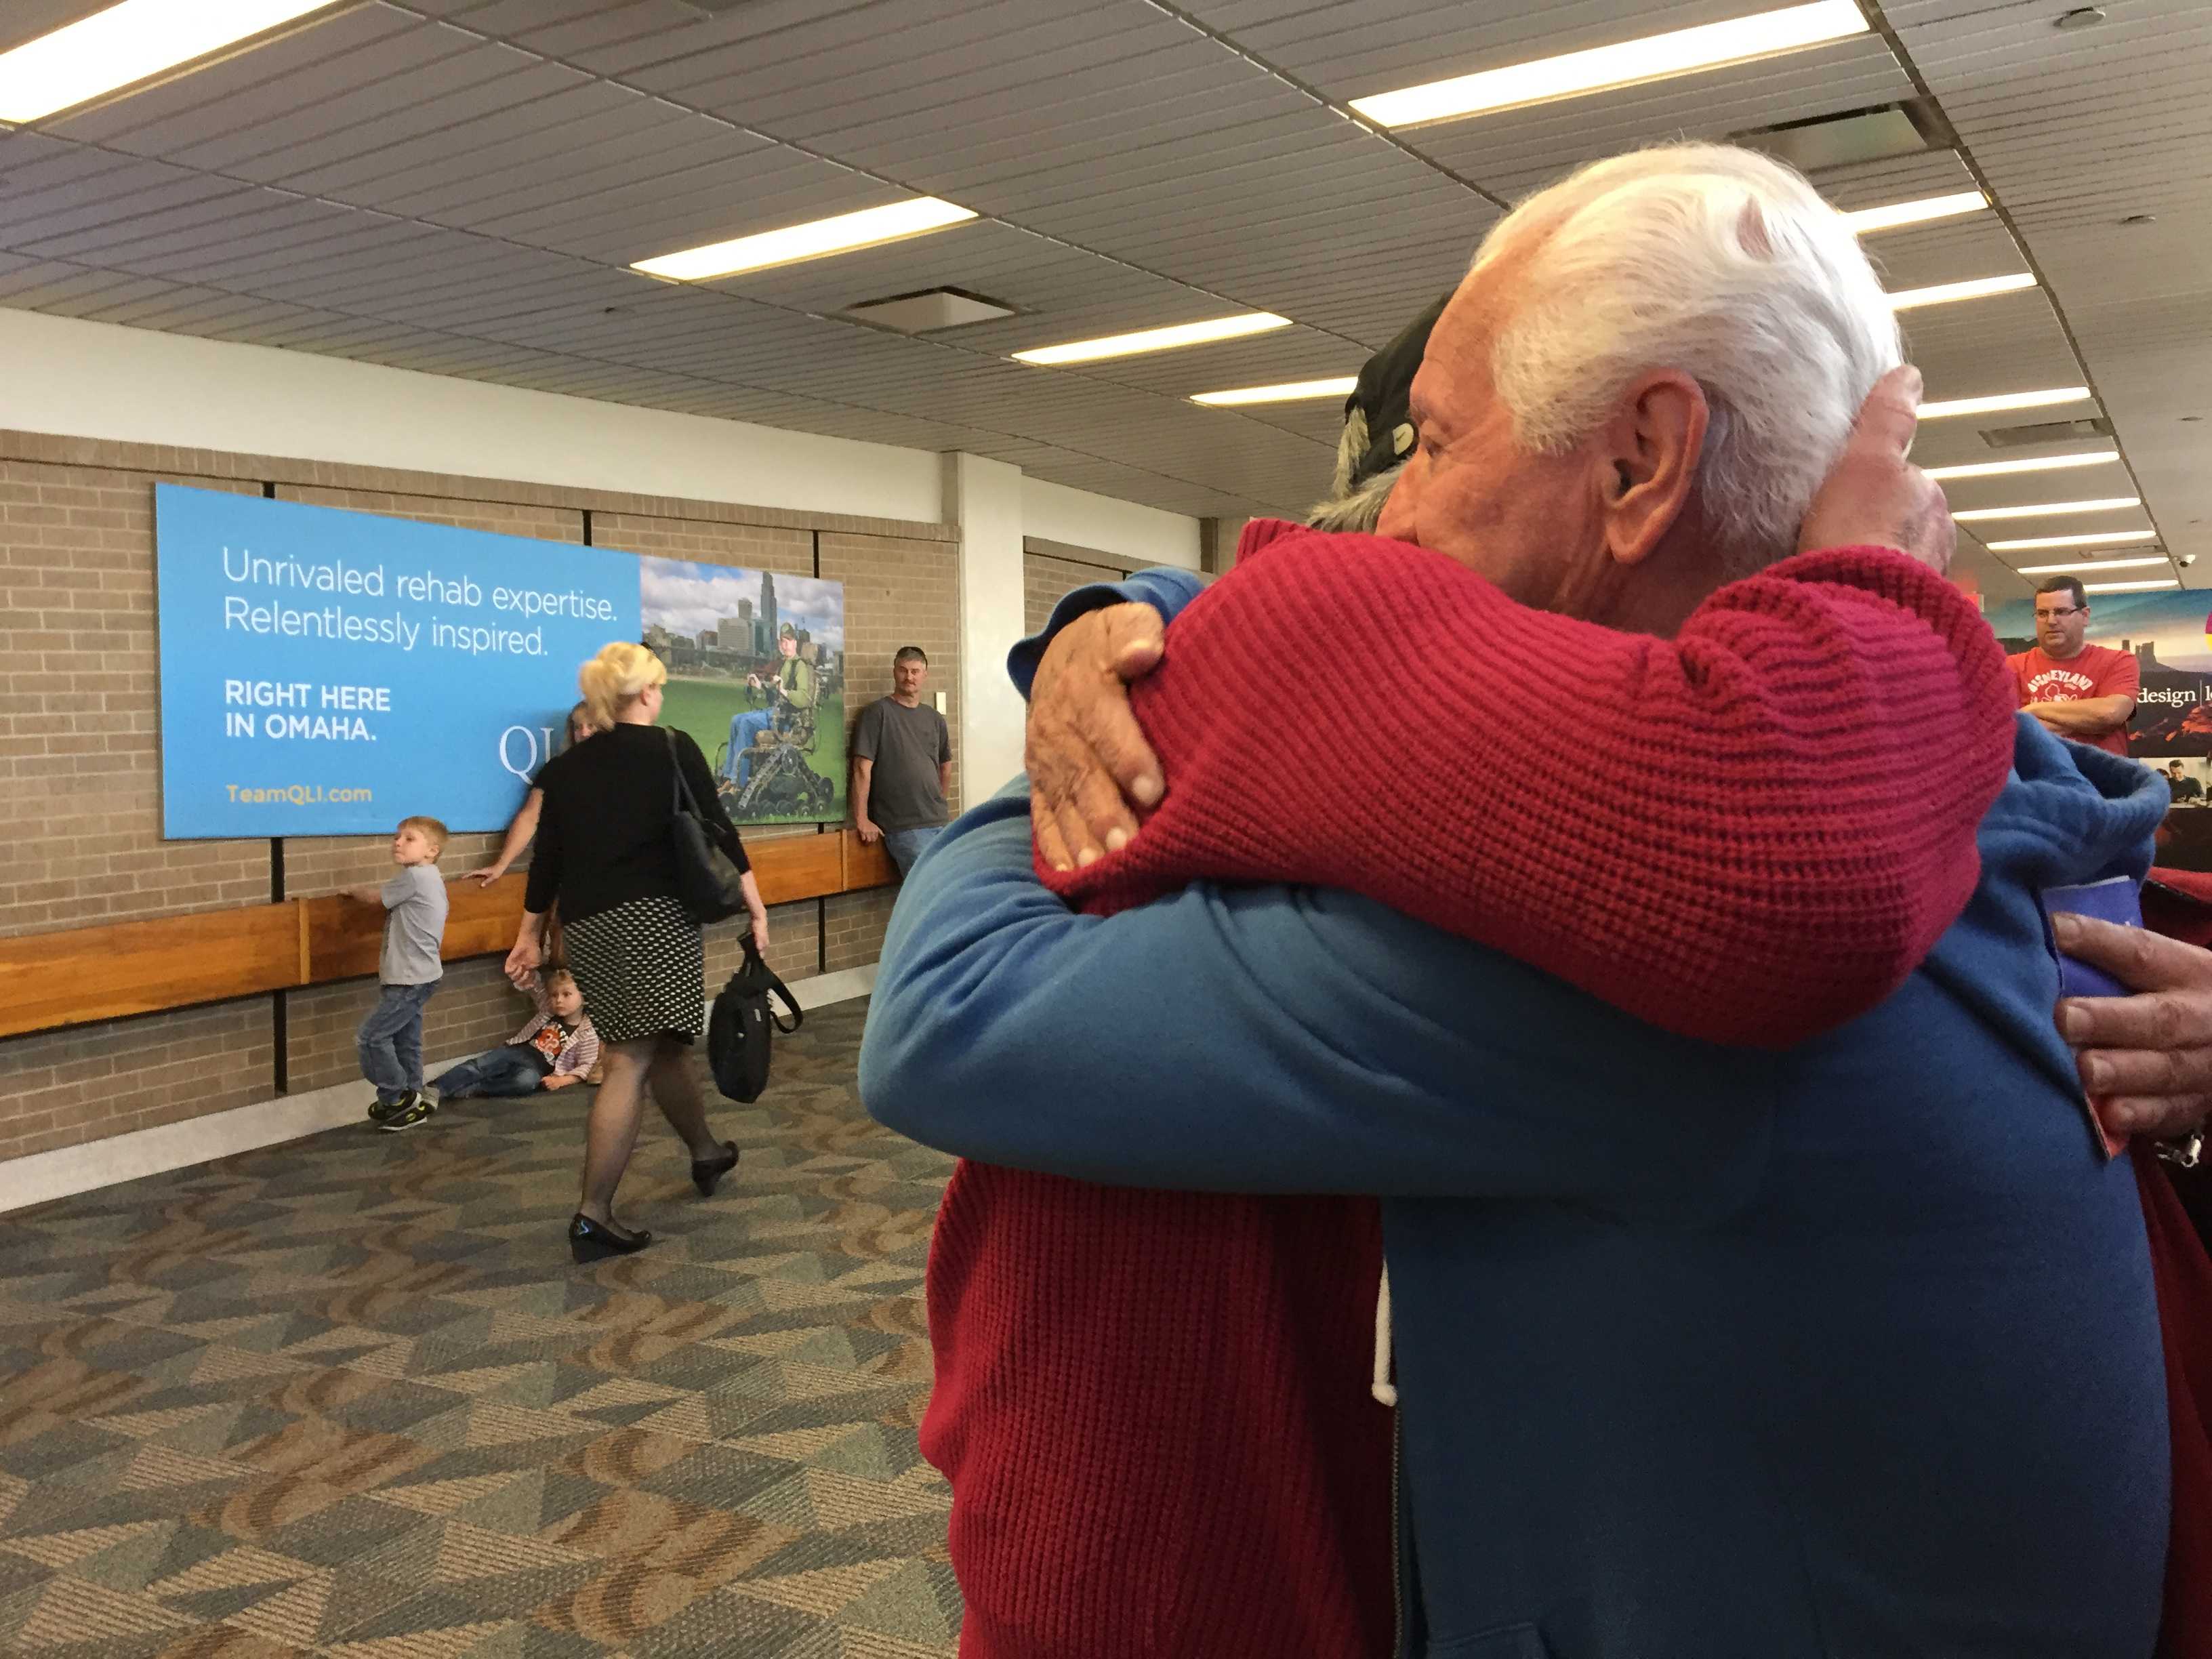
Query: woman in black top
606,851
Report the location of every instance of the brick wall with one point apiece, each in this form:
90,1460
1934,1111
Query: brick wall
80,754
853,927
62,1088
899,593
1046,577
80,744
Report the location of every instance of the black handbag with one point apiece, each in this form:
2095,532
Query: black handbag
743,1027
708,884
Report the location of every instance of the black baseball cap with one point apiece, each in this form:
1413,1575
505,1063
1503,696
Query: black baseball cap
1385,390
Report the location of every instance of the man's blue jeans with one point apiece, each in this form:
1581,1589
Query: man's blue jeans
905,845
500,1074
737,764
390,1040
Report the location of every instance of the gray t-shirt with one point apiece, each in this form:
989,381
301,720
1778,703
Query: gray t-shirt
906,746
414,923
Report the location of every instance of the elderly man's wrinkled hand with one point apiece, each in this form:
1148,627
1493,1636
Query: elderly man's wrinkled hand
1088,759
1873,496
2146,1059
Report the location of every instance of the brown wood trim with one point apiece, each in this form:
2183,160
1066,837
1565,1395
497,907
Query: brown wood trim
85,973
128,968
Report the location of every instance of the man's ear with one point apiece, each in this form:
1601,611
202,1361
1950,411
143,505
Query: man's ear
1648,455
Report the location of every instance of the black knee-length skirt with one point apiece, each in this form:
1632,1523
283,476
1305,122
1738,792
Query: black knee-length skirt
641,969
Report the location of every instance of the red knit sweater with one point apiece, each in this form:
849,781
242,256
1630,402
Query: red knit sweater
1153,1406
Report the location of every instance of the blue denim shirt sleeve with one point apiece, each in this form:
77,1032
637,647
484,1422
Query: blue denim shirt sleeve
1275,1039
1166,590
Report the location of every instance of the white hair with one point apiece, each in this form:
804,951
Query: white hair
1721,263
1352,505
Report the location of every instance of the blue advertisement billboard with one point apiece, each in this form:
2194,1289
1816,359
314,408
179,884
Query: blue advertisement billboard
327,673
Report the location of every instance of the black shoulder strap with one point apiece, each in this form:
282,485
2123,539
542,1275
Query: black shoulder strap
679,795
763,977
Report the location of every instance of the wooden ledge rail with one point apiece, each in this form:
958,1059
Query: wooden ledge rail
112,972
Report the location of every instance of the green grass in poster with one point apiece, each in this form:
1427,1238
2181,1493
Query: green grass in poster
704,707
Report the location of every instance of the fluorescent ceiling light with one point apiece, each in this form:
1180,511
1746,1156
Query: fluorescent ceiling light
2037,463
2090,564
2037,509
1867,220
813,241
124,45
2106,539
1624,65
1944,294
2127,588
1290,392
1156,340
2061,394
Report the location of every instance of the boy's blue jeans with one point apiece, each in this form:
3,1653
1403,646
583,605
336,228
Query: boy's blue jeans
501,1074
391,1041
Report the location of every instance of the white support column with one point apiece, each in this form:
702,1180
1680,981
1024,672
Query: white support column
984,498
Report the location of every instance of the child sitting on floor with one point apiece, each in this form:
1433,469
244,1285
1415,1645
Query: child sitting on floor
554,1050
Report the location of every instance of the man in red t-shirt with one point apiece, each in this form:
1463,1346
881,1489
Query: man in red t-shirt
2079,690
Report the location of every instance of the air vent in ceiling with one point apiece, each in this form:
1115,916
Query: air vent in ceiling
1855,136
2045,432
929,311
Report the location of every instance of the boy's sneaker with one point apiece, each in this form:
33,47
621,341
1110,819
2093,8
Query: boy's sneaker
417,1108
383,1111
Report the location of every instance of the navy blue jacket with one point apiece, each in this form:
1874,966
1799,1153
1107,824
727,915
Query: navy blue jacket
1849,1351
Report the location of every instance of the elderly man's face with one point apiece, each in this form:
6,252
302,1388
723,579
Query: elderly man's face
1469,490
1561,532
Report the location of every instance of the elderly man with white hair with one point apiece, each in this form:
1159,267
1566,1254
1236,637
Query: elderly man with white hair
1742,1307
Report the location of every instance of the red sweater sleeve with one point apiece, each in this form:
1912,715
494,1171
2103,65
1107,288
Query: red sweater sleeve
1749,833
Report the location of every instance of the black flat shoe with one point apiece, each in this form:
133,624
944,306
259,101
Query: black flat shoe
707,1172
595,1241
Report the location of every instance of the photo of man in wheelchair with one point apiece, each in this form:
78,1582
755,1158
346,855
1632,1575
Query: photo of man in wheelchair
763,768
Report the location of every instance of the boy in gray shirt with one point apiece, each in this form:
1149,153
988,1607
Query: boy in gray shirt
390,1038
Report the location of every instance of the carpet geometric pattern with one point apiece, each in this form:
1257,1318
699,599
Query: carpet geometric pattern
348,1396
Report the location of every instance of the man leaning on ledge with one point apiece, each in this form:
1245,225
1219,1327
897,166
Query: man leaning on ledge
901,764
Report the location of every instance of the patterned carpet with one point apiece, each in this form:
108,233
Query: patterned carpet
348,1396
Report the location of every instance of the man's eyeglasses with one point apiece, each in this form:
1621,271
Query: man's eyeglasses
2069,611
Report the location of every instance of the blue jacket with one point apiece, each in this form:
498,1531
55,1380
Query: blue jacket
1849,1350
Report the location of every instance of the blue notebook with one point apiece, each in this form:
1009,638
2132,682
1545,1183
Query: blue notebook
2117,900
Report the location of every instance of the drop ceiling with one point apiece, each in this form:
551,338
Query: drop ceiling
459,186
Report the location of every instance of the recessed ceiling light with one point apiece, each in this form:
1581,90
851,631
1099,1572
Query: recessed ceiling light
1156,340
2130,587
2039,509
1290,392
2089,564
2038,463
2102,539
1626,64
1867,220
127,43
869,228
2060,394
1944,294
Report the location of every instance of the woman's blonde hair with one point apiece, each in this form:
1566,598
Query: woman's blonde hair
616,676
